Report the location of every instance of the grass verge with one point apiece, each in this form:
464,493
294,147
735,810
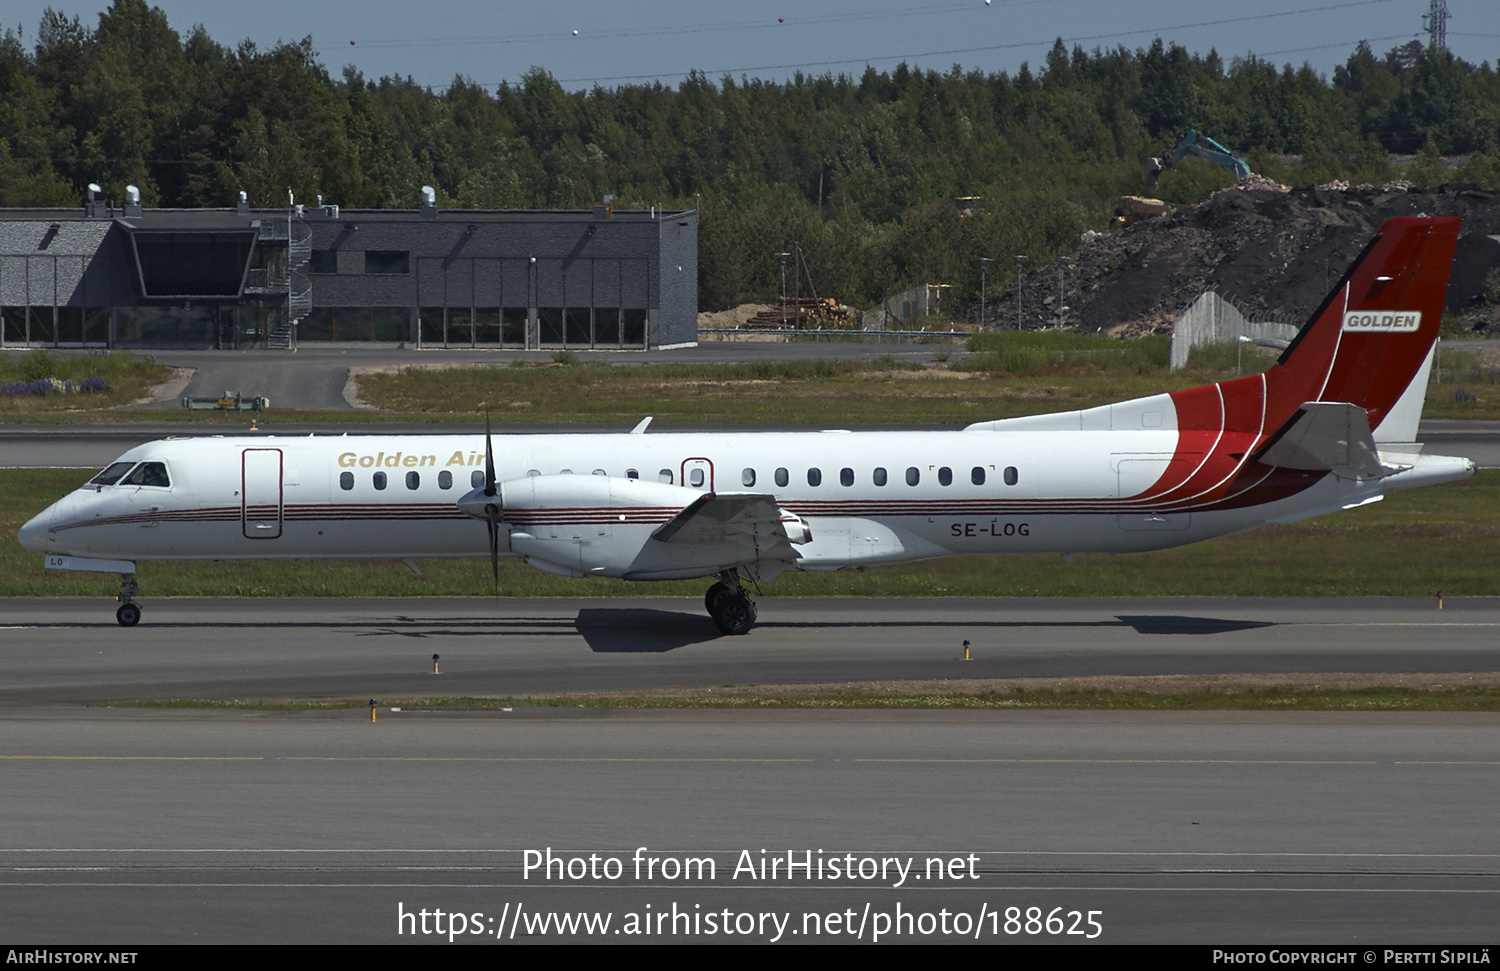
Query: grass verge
1333,693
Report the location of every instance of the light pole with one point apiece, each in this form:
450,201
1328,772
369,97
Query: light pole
984,262
782,258
1239,348
1019,260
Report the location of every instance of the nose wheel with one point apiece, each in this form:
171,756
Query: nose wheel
129,613
733,612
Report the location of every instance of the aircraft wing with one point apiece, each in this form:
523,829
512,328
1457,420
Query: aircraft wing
1325,436
753,521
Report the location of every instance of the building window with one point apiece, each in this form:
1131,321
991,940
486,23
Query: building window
387,261
323,261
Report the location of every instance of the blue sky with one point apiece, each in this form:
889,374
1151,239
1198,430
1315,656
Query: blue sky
638,42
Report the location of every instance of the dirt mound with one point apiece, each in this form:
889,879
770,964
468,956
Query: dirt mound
1274,252
736,317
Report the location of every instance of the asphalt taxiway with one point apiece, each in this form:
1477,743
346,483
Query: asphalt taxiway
148,825
70,651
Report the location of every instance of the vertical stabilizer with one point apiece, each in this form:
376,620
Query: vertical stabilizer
1371,340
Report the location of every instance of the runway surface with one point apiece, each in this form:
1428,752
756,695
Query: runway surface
151,825
70,651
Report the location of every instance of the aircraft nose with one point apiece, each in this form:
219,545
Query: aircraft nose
33,535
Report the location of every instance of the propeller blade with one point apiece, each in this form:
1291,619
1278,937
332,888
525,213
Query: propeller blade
489,459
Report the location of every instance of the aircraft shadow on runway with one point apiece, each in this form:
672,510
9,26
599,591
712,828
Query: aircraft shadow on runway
1172,624
649,631
642,631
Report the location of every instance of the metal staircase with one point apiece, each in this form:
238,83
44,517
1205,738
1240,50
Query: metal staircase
290,279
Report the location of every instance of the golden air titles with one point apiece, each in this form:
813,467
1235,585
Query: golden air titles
401,460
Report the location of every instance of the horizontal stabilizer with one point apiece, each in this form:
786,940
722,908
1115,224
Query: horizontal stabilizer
1324,436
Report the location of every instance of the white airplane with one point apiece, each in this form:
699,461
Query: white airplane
1331,425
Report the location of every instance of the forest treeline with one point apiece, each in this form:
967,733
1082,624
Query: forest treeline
856,173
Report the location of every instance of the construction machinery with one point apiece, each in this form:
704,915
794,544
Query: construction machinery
1202,146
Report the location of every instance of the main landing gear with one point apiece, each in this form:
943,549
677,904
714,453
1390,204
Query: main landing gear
129,613
731,608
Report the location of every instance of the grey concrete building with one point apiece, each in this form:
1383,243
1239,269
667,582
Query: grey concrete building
132,277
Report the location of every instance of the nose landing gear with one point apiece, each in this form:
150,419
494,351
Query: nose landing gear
129,613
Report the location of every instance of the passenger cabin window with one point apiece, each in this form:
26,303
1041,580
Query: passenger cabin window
445,479
814,477
413,481
379,480
695,478
148,474
665,475
913,476
476,479
632,474
846,477
112,474
600,472
1010,475
880,477
945,476
346,481
747,477
782,477
977,476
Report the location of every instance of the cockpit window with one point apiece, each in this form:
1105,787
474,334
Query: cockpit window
148,474
112,474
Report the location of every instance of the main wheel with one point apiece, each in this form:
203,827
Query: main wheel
128,615
734,613
712,596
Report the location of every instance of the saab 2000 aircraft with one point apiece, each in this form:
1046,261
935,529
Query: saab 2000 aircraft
1330,426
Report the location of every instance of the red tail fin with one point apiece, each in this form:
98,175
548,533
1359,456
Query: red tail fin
1373,332
1363,347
